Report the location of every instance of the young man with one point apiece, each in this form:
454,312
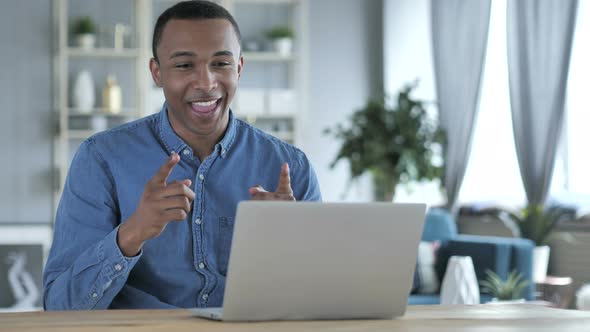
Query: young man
147,212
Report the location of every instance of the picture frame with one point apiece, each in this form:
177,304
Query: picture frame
23,253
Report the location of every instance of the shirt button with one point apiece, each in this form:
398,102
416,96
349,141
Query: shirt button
118,267
198,221
223,152
201,265
201,177
186,152
205,297
94,295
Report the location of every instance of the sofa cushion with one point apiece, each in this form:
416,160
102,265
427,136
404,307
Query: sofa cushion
424,299
486,253
439,225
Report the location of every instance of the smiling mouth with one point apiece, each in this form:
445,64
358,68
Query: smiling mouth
205,107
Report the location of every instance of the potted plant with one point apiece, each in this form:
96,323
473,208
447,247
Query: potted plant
396,144
504,290
84,31
534,222
281,37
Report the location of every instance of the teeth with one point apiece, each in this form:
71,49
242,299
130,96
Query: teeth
204,103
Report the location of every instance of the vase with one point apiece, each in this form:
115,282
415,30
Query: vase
383,186
111,96
83,92
459,285
540,262
583,298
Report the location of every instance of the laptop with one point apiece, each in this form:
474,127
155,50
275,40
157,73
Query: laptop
311,260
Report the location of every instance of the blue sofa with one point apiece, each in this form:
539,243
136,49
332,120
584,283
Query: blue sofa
498,254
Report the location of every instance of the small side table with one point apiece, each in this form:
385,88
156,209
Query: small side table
557,290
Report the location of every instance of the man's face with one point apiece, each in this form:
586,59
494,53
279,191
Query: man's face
199,68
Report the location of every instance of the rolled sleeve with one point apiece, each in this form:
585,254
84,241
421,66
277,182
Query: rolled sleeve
113,274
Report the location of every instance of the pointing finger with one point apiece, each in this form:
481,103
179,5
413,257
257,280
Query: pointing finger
164,171
284,181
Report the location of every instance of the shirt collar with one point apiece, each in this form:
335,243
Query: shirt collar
174,143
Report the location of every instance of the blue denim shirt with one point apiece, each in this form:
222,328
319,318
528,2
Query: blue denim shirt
186,265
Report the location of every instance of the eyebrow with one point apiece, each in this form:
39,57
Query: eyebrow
188,53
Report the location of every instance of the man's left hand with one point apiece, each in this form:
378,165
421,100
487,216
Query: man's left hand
283,192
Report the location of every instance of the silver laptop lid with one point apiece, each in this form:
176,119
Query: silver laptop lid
310,260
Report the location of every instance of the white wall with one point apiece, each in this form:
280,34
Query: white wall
407,46
26,126
345,65
407,53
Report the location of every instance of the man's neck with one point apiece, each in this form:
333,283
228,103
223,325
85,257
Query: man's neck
202,145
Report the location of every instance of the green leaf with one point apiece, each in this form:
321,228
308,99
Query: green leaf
509,289
394,137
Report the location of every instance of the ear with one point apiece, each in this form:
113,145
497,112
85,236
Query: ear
155,70
240,66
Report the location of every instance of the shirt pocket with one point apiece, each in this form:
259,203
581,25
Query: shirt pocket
226,231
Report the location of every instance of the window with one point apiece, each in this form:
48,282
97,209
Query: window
492,171
576,156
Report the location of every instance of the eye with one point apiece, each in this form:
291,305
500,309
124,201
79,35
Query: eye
222,64
183,66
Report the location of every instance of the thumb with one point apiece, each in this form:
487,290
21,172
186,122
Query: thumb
284,186
256,189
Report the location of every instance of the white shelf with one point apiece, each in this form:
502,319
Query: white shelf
125,113
80,134
266,2
99,58
267,56
263,116
103,52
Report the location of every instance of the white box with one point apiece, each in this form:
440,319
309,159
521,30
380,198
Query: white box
282,101
249,101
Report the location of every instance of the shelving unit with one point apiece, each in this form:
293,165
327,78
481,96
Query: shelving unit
74,125
102,53
268,56
270,77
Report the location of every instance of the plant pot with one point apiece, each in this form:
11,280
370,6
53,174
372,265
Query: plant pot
283,46
86,41
540,263
383,186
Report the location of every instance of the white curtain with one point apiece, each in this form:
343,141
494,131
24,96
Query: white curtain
540,34
459,40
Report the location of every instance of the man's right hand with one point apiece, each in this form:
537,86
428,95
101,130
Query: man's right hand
160,204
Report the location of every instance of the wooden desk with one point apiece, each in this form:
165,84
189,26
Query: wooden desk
497,317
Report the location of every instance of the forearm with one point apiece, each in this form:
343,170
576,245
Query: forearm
92,281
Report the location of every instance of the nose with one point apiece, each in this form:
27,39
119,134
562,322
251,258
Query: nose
203,79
